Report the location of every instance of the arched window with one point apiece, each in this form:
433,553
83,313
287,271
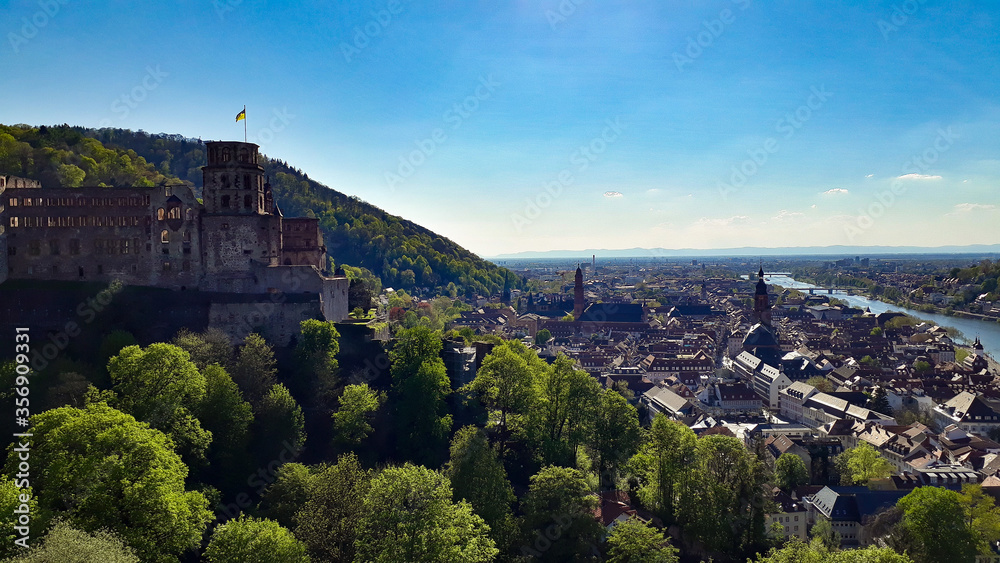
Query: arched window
225,202
189,214
187,236
244,155
226,155
174,213
246,181
159,214
164,236
225,180
246,201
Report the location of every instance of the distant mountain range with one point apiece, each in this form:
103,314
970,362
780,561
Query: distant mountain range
838,250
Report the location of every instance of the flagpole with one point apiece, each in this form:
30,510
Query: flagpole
244,123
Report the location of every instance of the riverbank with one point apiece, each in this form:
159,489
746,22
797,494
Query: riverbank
970,328
921,307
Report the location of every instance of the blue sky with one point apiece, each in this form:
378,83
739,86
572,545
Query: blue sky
571,124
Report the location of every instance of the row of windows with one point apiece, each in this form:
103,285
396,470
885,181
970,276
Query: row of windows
228,202
173,213
133,201
76,221
247,182
81,272
165,236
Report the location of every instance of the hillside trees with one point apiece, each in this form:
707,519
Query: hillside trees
105,470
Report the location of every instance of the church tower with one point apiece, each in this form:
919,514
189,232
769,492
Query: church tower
578,294
761,300
234,181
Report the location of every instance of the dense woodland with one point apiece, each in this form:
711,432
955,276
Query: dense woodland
397,252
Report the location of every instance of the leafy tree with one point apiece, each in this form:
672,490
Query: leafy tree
113,343
790,472
160,385
316,360
661,464
936,519
409,516
879,401
542,336
229,418
559,498
327,521
859,465
207,348
504,383
478,477
254,370
982,515
877,331
10,501
105,470
249,540
922,367
726,479
287,494
562,416
798,552
278,424
66,544
419,388
616,435
634,541
824,535
358,404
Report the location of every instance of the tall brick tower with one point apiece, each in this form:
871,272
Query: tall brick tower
578,294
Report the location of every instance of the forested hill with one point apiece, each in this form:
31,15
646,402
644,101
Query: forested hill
401,253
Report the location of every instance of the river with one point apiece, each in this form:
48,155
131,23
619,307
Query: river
988,332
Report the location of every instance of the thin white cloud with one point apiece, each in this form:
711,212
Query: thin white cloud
869,175
836,191
967,207
734,220
785,214
813,206
653,191
613,194
918,177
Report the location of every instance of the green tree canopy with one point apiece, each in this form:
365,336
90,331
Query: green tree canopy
410,516
66,544
254,370
936,520
105,470
278,424
357,405
327,522
861,464
251,540
634,541
284,497
661,464
559,503
790,472
160,385
478,477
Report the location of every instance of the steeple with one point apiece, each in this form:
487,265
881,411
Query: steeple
761,300
578,294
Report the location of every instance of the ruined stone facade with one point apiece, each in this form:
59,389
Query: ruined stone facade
235,242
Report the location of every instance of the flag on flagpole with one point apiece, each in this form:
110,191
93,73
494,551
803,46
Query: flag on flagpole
242,114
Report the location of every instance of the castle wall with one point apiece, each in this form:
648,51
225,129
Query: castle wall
233,243
277,320
302,243
142,236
